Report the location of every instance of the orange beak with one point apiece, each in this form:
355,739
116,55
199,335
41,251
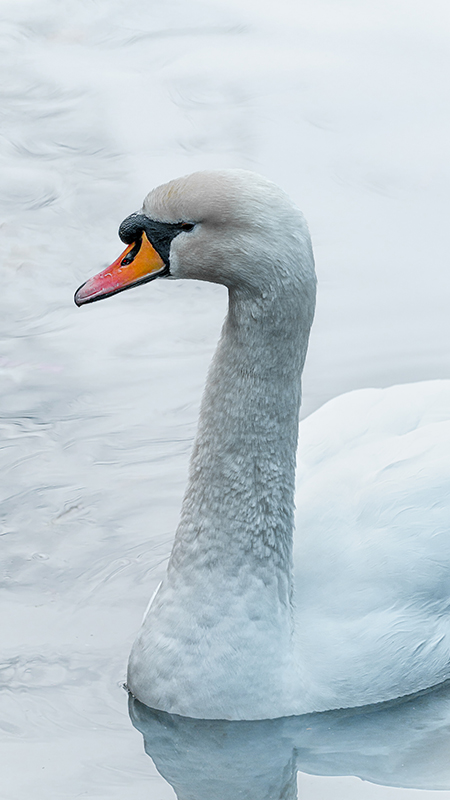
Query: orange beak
139,263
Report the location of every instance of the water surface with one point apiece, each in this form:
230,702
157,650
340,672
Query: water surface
343,104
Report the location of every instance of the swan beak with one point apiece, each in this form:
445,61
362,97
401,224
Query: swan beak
139,263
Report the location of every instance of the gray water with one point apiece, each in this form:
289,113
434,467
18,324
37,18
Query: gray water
345,105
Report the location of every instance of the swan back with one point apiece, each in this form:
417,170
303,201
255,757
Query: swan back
372,555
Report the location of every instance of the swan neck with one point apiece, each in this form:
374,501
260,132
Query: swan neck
239,502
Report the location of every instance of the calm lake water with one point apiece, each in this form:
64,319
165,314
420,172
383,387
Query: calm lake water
345,105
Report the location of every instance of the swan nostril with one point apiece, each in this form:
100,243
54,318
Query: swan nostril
132,254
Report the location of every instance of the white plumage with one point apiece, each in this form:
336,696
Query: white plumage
372,550
244,626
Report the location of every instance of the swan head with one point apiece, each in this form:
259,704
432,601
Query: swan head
227,226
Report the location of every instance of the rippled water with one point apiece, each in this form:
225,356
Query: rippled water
344,104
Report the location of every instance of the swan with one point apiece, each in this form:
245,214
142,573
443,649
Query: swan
250,621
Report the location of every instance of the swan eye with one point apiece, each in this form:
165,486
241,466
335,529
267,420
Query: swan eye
187,226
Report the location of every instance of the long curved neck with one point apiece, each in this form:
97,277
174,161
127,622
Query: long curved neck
239,501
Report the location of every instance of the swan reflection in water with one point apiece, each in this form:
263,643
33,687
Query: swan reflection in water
399,744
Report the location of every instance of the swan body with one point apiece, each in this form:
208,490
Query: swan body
372,550
252,621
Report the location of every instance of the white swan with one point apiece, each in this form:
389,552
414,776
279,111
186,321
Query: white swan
239,629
